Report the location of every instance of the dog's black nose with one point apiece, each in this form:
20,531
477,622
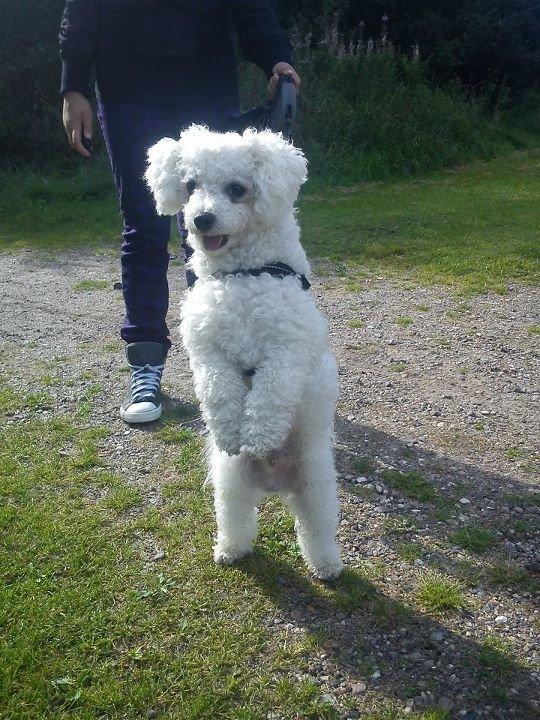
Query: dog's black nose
204,221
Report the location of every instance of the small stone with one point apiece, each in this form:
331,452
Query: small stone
376,674
158,556
437,636
118,286
327,698
500,619
358,688
361,479
464,501
351,417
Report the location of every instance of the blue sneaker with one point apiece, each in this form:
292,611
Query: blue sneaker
143,401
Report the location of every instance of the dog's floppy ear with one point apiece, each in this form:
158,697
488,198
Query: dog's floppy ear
280,168
163,176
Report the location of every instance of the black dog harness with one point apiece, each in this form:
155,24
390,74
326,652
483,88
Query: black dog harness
277,269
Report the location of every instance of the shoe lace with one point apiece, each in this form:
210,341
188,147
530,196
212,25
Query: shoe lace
145,380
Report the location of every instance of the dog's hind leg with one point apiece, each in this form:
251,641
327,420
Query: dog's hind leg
315,507
235,498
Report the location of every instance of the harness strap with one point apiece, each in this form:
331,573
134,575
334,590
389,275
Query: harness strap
276,269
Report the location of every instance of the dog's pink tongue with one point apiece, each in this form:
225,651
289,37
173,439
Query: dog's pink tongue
212,242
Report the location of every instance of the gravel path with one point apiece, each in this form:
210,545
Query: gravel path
431,384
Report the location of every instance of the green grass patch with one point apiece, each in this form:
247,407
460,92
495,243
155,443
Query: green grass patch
428,227
399,366
514,453
175,435
355,323
533,329
474,539
91,629
404,321
438,594
409,551
412,484
397,525
474,228
391,711
495,659
89,285
363,465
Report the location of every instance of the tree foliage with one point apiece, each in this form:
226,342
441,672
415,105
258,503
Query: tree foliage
483,43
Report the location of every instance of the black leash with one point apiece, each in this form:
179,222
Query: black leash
277,115
277,269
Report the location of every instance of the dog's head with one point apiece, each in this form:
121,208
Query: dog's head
226,184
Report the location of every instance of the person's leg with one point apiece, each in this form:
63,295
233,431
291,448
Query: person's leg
186,249
129,130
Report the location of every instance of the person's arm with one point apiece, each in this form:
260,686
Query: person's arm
78,39
262,39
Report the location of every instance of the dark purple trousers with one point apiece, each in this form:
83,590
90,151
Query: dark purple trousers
129,130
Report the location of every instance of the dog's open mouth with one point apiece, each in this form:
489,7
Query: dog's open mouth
214,242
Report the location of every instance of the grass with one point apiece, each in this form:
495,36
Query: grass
363,466
475,539
474,228
427,227
399,366
438,594
412,484
409,551
495,659
89,285
91,630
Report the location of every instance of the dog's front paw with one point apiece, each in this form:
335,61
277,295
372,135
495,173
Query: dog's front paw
226,441
228,555
261,442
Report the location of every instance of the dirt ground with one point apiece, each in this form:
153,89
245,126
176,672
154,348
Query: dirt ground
430,382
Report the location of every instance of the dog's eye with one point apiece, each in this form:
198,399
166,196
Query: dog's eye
235,191
190,186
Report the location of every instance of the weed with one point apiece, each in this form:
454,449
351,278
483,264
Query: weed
397,525
514,453
399,366
404,321
89,285
175,435
474,538
362,465
438,594
494,658
355,323
507,573
412,484
409,551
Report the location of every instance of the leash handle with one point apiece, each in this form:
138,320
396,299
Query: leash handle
283,110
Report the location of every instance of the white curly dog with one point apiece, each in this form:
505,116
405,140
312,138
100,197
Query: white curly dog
257,345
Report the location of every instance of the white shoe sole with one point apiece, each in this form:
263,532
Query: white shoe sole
136,418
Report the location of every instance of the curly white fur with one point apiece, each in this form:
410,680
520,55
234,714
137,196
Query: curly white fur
272,432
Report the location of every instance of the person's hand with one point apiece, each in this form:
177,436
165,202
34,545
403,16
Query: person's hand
282,68
77,116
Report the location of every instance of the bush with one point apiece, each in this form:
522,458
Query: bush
366,113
